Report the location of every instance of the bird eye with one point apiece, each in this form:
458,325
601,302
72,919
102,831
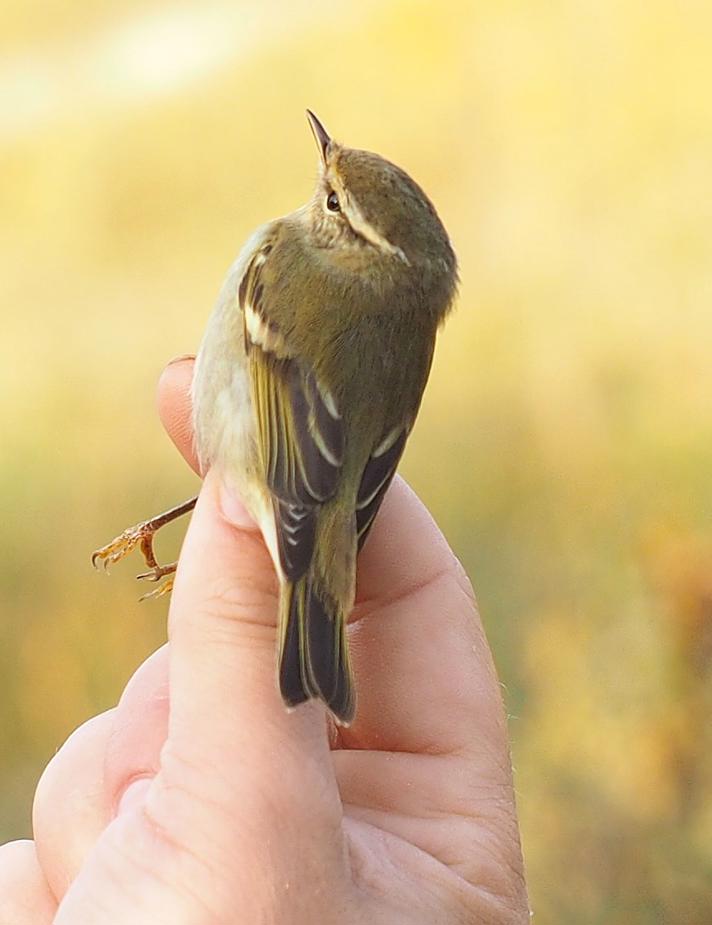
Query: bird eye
332,202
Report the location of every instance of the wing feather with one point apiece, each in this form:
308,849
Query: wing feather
300,431
377,476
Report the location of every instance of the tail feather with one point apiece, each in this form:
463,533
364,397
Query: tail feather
314,654
343,701
292,675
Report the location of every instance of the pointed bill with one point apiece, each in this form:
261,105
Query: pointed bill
321,136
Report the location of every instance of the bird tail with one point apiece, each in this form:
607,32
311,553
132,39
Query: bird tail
313,657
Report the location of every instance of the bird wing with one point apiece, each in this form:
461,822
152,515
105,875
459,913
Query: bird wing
300,432
377,476
301,442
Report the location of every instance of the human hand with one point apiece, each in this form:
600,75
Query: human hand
200,799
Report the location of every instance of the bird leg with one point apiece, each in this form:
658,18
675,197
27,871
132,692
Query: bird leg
141,535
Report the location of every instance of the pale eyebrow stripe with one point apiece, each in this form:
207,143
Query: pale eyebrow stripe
359,224
354,216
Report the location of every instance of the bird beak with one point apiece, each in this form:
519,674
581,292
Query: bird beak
321,136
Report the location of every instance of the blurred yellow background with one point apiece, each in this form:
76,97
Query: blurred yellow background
565,441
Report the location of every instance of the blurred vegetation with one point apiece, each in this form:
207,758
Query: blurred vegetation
565,443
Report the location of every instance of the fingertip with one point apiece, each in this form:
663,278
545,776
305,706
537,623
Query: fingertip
175,406
134,796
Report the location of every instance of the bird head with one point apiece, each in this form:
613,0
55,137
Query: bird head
364,202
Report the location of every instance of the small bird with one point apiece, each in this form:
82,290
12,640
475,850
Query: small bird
306,387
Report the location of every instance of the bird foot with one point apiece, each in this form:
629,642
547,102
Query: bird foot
157,574
139,535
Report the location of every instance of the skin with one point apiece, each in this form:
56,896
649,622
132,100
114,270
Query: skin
212,804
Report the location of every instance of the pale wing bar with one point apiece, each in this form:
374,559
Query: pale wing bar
377,476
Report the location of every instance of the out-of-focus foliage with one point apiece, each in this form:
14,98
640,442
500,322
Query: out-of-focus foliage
565,442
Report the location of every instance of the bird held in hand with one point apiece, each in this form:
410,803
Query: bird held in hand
307,385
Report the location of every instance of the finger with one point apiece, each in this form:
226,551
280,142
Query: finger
174,406
140,727
80,789
70,807
25,896
428,756
225,708
425,672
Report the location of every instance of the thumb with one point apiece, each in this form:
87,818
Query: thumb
245,793
225,707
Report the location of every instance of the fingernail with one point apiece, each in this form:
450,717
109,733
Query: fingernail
181,358
233,509
134,795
